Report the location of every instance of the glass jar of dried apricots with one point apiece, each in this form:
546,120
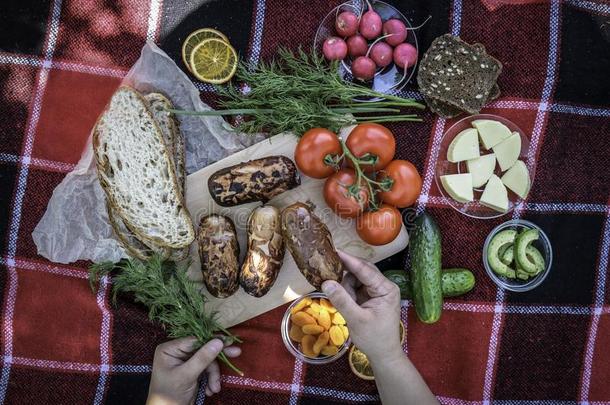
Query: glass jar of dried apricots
314,331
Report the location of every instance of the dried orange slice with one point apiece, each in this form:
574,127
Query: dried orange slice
360,364
213,61
194,39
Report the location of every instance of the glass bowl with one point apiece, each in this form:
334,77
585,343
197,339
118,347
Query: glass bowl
294,347
475,209
542,244
388,80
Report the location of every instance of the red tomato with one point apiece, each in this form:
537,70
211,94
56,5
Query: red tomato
312,149
407,183
379,227
341,194
372,140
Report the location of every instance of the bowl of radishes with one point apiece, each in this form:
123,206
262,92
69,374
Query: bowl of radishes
375,43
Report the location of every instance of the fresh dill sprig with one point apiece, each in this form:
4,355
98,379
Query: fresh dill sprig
170,296
297,91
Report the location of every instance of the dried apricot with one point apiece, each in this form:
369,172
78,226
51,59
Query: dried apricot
296,333
307,345
299,306
329,350
336,335
315,306
345,331
312,329
338,319
321,342
324,303
301,318
324,319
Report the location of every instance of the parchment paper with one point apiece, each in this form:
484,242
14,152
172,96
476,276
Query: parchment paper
75,225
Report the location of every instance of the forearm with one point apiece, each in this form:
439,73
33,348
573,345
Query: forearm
399,382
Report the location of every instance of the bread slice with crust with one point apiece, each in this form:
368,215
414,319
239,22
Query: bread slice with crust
137,173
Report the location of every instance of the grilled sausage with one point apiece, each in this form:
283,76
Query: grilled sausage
219,254
256,180
265,251
311,245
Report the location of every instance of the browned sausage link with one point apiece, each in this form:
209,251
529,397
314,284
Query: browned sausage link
265,251
256,180
219,254
311,245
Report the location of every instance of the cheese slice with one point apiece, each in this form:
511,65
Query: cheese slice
491,132
458,186
481,169
495,195
507,152
464,146
517,179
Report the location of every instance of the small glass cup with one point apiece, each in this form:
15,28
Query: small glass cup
542,244
294,348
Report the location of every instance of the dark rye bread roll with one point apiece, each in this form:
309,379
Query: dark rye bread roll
255,180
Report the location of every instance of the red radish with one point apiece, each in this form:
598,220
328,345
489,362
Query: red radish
370,23
381,53
334,48
405,55
363,68
346,24
397,29
356,46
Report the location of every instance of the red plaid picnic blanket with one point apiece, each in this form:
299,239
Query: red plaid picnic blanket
60,60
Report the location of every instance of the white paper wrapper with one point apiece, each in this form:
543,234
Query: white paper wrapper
75,225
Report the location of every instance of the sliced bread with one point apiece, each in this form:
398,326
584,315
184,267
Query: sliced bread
137,173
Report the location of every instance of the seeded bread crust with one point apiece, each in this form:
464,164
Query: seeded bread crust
142,188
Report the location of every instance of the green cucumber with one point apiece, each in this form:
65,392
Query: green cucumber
454,282
425,251
522,241
508,255
499,241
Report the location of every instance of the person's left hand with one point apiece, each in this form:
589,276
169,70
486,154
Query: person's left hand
177,367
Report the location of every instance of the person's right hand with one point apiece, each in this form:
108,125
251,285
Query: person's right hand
370,304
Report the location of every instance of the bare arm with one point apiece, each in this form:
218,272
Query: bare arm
370,304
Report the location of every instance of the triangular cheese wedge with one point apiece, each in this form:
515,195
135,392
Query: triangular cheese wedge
458,186
507,152
491,132
481,169
517,178
495,195
464,146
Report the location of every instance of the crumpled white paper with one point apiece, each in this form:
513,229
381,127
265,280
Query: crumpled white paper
75,225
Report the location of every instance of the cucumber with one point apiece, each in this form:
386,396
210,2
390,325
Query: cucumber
425,251
502,239
454,282
521,243
508,255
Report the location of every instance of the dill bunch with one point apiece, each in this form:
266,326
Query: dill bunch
297,91
171,298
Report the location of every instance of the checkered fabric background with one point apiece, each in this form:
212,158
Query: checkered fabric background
60,60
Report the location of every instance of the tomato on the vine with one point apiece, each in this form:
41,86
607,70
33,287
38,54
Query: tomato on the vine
317,152
406,184
346,198
372,141
379,227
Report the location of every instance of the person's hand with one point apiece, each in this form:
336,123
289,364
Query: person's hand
177,367
370,304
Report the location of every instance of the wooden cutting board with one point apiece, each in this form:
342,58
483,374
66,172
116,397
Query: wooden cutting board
290,283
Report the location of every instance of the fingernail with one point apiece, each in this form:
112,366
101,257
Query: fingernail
216,345
328,287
